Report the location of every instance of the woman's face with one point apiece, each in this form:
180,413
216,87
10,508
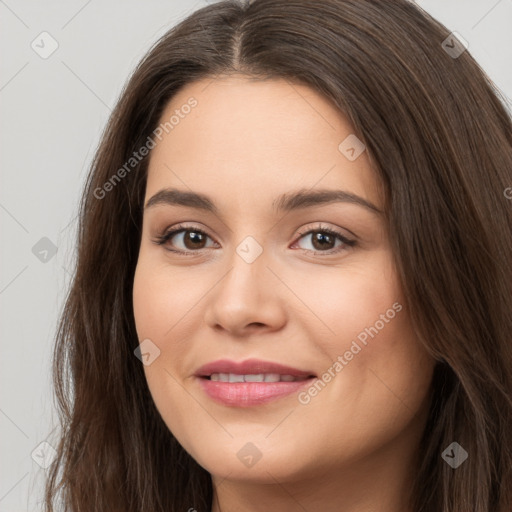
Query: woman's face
257,272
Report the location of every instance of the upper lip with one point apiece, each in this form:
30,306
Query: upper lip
249,367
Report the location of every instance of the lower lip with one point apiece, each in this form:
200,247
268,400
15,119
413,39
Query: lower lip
247,394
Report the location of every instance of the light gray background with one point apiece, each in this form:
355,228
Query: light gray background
53,111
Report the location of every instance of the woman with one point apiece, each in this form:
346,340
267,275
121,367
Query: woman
298,222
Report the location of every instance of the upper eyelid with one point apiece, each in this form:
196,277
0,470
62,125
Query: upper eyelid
321,225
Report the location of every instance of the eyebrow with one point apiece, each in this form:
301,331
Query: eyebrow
297,200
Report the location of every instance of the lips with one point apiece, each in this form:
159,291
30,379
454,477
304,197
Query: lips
250,383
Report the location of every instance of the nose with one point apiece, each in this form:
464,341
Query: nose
248,298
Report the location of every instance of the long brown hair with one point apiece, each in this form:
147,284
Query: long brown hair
440,139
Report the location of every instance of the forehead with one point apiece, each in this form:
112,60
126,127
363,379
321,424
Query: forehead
248,137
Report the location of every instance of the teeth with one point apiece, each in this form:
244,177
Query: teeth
254,378
261,377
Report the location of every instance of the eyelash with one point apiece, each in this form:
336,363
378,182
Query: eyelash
166,236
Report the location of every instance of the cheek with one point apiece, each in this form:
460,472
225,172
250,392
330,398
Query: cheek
381,367
161,297
163,301
162,307
357,303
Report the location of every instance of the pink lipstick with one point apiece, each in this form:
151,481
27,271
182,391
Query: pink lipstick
251,382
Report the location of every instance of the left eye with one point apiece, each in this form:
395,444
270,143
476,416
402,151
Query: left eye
322,238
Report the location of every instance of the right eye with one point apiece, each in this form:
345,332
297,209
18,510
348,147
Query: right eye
191,237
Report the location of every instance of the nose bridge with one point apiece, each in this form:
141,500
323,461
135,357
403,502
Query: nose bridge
246,295
246,281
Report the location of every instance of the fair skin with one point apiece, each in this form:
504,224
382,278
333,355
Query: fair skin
353,446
